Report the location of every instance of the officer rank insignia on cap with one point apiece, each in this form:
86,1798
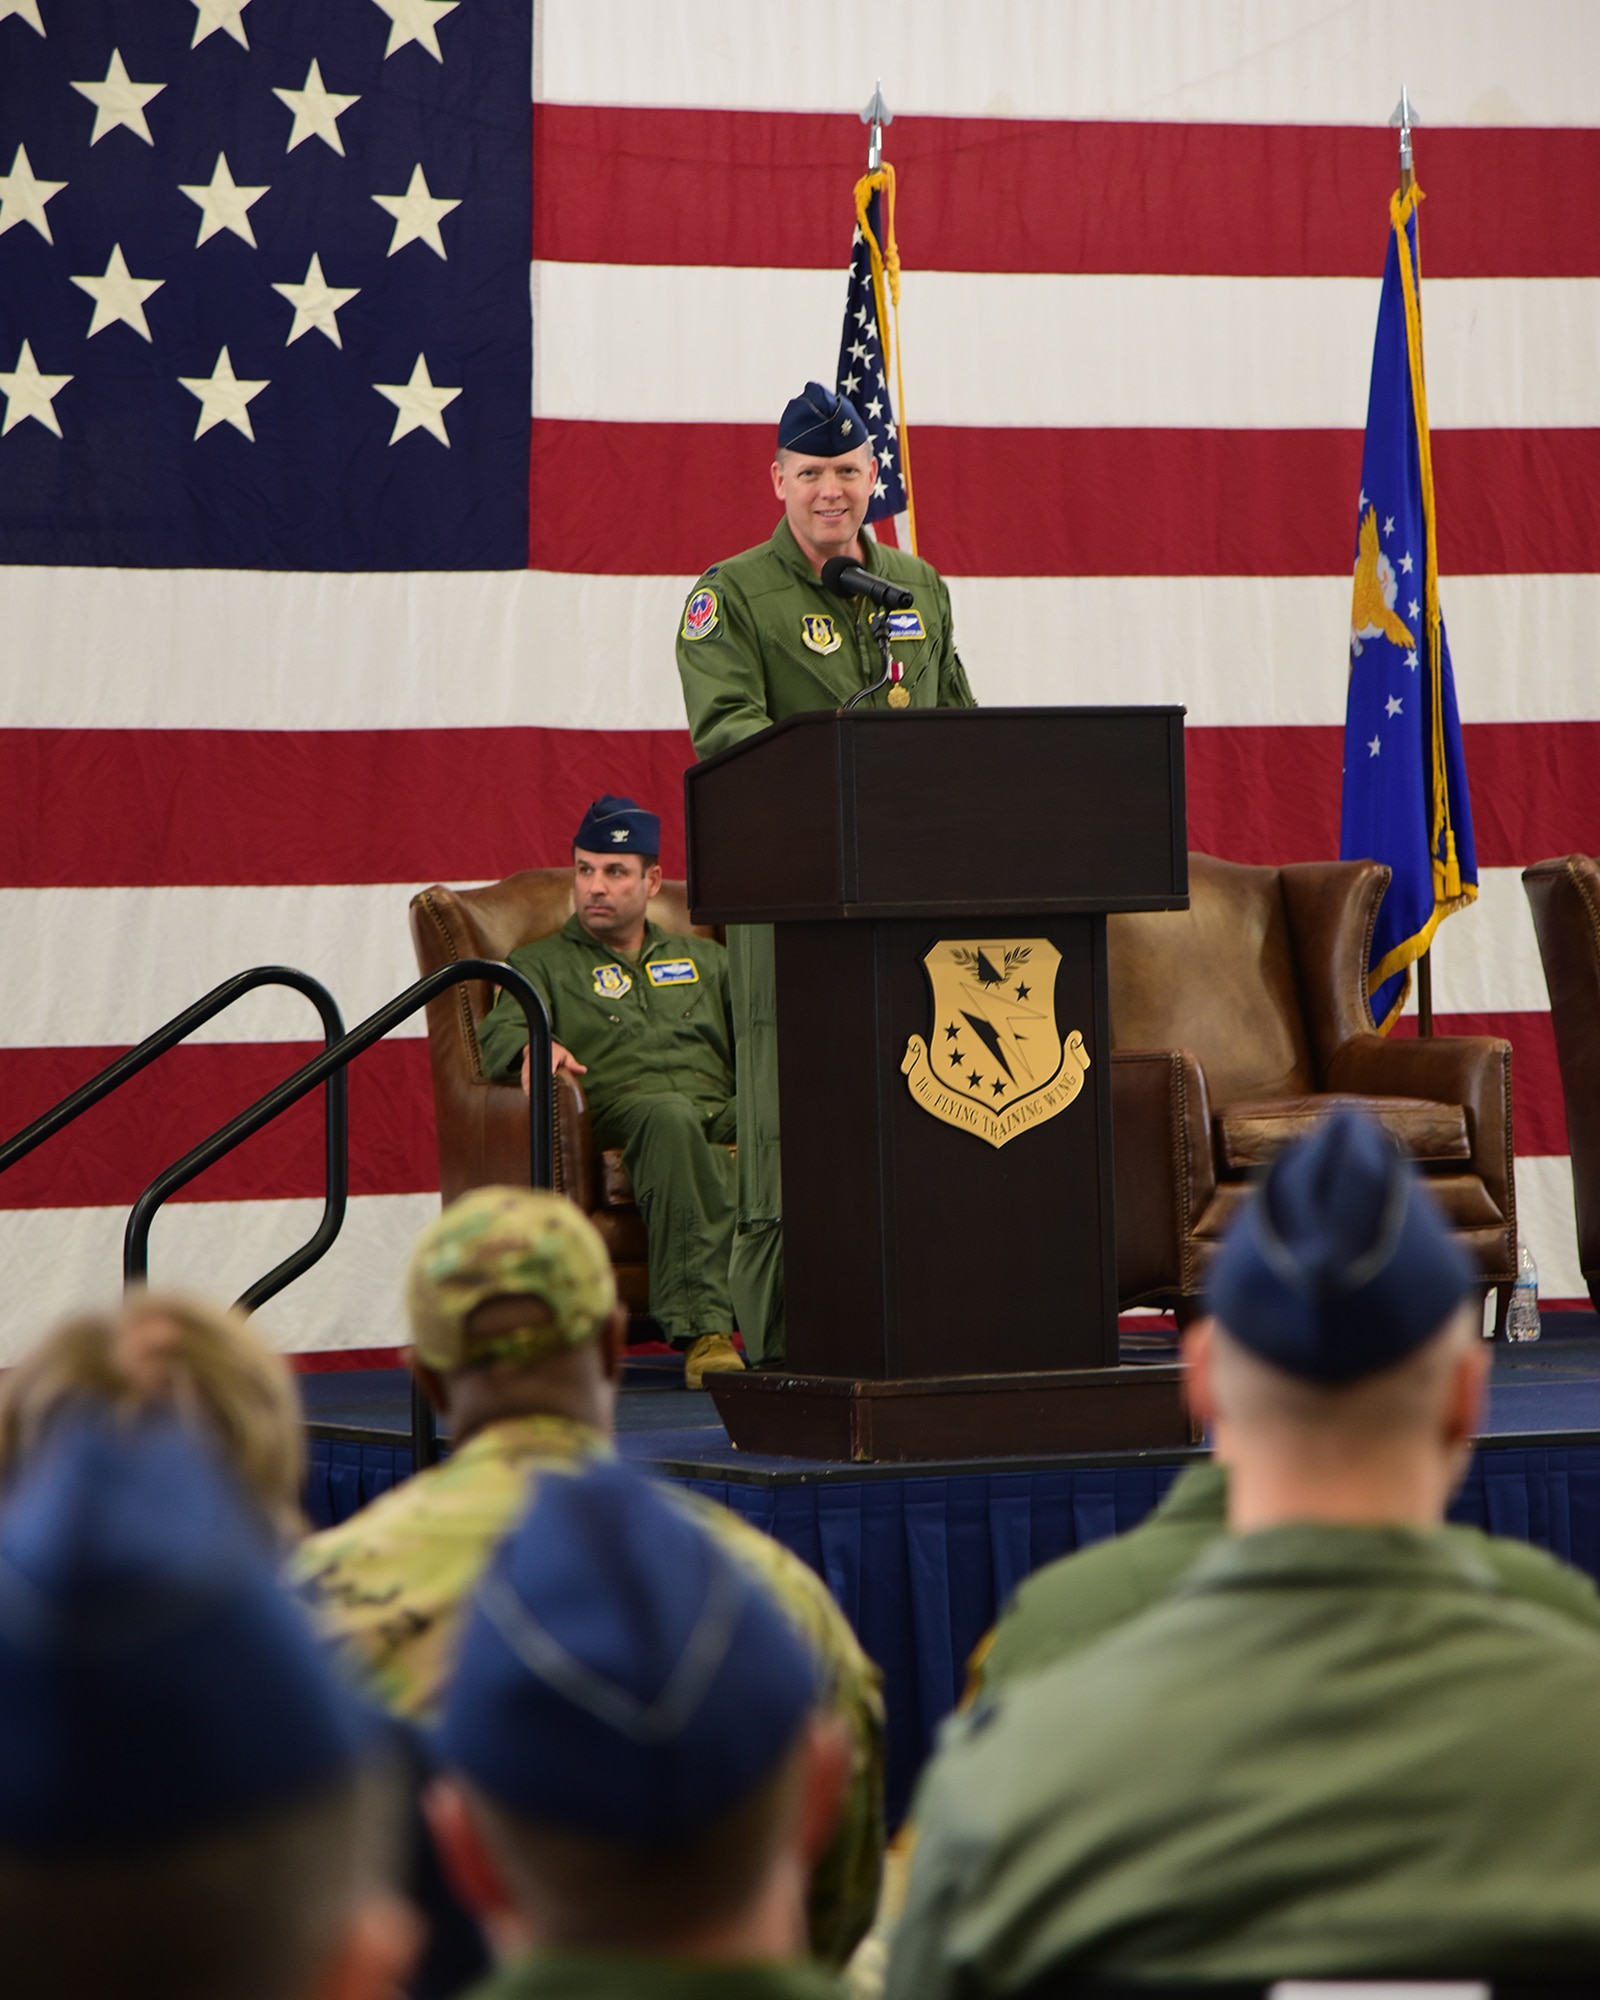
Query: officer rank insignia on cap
906,625
820,635
611,982
700,614
674,972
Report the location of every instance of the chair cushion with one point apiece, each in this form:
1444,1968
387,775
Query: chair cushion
1250,1134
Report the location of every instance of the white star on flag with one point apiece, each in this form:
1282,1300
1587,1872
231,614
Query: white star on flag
1388,524
30,394
23,196
1414,608
1374,747
1411,661
119,101
210,15
1392,705
224,399
223,204
851,384
118,295
316,303
875,408
1405,565
415,21
317,111
25,10
419,403
417,214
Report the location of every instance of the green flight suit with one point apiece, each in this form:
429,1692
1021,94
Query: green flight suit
1332,1751
656,1036
751,656
389,1589
607,1975
1066,1605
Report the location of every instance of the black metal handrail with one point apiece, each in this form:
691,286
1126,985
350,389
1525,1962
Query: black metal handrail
332,1062
335,1119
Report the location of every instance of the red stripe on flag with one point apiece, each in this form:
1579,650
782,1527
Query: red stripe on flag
632,184
115,1150
1272,795
1138,502
112,1153
95,807
92,808
1538,1115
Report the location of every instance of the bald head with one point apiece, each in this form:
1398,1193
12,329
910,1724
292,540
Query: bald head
1390,1446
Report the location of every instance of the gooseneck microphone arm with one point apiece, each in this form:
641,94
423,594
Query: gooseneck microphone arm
880,631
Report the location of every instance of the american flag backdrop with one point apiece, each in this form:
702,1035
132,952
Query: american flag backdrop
300,612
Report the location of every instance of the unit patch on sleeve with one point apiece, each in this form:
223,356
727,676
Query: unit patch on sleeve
700,614
611,982
906,625
674,972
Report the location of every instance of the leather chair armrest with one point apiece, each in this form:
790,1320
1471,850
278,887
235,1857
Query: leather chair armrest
1471,1070
1165,1169
1332,908
575,1156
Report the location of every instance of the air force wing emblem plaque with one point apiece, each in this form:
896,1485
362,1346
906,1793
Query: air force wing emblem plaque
995,1064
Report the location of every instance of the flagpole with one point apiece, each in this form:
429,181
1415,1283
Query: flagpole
1408,178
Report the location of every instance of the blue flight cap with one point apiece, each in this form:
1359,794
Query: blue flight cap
822,424
1341,1263
156,1679
620,1676
618,826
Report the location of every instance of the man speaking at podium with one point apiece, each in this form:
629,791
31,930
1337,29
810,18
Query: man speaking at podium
764,638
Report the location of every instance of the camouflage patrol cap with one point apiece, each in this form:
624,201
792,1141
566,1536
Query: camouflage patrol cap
499,1242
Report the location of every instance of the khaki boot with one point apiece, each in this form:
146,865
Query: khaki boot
711,1354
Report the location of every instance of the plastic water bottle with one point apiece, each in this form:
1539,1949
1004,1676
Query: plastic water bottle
1522,1315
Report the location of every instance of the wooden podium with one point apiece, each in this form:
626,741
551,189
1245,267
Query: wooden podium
939,881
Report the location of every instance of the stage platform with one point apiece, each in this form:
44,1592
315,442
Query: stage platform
921,1556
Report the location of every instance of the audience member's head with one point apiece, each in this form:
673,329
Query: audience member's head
513,1309
638,1762
168,1351
1341,1372
188,1805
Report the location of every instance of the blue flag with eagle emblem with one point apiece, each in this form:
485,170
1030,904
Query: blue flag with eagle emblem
1405,797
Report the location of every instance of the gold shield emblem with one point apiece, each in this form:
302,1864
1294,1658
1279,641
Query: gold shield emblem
995,1064
821,635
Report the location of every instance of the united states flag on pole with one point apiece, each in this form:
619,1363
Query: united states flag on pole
254,692
863,373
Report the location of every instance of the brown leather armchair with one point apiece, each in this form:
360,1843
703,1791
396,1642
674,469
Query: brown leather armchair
1565,895
1235,1025
482,1125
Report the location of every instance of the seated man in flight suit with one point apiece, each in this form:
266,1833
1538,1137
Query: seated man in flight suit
642,1015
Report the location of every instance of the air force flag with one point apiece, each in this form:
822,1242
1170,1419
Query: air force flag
1405,782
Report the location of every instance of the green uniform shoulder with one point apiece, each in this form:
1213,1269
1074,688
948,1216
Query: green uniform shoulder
1534,1576
1068,1604
603,1975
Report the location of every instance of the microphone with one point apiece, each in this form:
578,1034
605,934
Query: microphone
847,579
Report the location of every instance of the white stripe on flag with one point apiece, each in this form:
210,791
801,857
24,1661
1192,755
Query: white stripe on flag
139,648
1295,62
57,1260
681,344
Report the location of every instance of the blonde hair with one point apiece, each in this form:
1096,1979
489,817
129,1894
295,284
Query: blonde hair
169,1351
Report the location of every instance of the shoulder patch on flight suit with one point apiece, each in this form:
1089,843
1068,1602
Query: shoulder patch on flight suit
700,614
673,972
611,982
906,625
